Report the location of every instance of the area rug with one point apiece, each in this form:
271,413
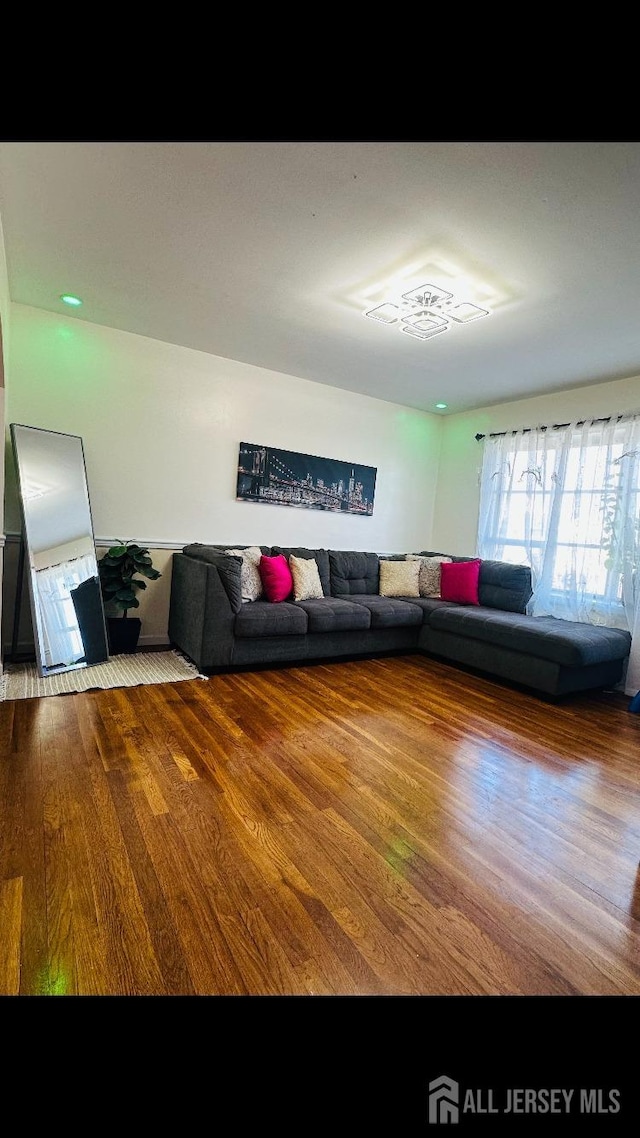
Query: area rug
21,681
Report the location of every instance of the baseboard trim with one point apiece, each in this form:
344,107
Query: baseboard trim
27,647
23,648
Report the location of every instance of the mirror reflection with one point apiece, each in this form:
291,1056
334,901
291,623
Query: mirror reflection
68,616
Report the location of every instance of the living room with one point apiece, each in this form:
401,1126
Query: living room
385,823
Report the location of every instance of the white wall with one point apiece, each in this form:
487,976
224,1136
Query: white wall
4,305
4,368
457,498
161,425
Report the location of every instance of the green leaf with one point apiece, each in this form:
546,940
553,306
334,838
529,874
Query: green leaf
118,569
148,572
124,605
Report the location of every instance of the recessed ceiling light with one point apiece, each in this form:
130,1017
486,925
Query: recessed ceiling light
441,406
73,301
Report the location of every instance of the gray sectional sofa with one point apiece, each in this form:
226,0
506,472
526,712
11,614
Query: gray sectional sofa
209,622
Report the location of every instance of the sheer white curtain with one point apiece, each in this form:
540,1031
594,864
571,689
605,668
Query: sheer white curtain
567,502
62,643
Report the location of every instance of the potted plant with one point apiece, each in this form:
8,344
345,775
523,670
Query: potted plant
118,582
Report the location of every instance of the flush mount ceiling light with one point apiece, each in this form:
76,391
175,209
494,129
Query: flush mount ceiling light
72,301
426,311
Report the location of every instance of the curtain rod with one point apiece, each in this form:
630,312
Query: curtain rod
554,427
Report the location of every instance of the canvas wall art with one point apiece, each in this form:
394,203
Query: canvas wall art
288,478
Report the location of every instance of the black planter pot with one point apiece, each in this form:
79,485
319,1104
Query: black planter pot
124,633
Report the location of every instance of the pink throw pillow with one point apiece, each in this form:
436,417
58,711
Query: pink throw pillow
459,582
276,578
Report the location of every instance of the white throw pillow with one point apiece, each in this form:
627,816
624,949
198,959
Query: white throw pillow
429,577
399,579
306,578
251,581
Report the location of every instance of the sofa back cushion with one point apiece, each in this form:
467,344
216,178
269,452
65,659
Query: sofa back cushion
203,552
505,586
353,572
229,569
502,585
320,556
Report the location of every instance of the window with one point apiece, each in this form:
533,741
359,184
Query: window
567,502
62,642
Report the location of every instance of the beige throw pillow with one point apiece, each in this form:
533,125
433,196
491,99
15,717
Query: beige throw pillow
306,578
399,579
250,579
429,577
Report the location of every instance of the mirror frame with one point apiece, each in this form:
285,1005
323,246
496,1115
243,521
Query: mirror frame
43,668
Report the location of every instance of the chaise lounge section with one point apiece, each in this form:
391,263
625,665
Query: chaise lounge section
210,623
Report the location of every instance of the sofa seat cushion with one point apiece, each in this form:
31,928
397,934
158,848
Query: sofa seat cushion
429,605
390,612
564,642
262,618
331,614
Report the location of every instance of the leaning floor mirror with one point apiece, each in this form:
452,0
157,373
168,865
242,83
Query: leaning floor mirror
66,602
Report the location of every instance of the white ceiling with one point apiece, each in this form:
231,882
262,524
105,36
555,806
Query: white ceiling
268,252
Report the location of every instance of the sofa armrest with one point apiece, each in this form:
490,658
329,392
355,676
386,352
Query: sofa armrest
201,615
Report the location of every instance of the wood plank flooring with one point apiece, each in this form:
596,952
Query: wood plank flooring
383,827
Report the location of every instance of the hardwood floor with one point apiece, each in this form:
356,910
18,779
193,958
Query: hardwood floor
387,826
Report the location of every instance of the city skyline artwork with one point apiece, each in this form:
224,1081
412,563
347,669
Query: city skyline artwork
289,478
